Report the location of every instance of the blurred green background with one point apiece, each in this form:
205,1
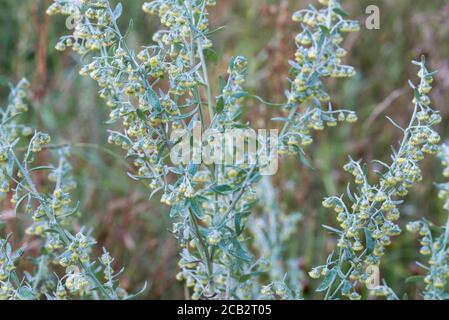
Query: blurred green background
135,229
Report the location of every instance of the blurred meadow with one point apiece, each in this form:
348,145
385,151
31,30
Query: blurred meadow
136,229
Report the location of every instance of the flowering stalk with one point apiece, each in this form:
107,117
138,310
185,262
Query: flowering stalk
367,225
436,245
52,216
318,57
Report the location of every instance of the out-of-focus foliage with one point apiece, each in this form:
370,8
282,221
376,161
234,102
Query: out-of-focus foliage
135,229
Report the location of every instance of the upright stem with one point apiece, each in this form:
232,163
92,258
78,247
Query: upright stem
206,80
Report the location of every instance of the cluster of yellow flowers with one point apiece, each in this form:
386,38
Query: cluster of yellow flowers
204,199
84,39
368,225
319,56
125,79
434,245
52,215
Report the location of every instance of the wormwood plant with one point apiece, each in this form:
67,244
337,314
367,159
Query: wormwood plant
435,245
166,86
367,219
63,245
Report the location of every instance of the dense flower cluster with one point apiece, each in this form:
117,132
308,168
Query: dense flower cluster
319,56
52,215
369,223
209,203
436,245
124,79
